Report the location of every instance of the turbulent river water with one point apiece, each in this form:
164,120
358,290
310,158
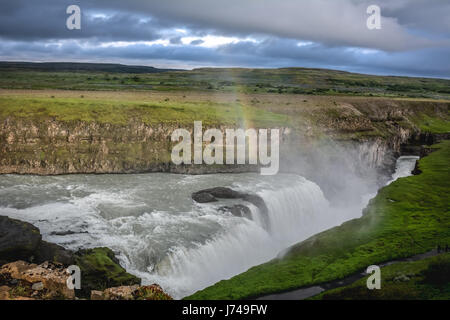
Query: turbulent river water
161,235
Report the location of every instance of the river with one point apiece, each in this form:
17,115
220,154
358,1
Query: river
161,235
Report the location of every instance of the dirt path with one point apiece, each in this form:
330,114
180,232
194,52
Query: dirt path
307,292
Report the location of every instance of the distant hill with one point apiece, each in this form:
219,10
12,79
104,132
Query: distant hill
69,66
304,81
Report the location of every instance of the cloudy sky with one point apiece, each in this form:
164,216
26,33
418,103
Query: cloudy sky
414,38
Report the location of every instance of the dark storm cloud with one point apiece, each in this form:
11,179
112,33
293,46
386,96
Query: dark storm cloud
414,39
197,42
270,53
44,20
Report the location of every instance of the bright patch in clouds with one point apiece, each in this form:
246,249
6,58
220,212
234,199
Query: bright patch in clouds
304,43
119,44
210,41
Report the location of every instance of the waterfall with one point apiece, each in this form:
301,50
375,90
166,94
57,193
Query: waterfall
296,211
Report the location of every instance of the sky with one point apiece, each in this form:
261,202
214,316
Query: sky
414,38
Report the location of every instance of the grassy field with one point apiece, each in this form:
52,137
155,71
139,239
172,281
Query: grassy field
149,111
280,81
410,216
427,279
257,110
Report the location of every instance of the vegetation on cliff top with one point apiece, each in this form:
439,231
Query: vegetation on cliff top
121,112
426,279
410,216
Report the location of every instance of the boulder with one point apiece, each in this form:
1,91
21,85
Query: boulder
238,210
38,286
210,195
120,293
18,240
135,292
219,192
52,252
101,270
21,240
202,197
151,292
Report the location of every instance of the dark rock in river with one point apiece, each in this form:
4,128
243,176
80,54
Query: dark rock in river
202,197
238,210
226,193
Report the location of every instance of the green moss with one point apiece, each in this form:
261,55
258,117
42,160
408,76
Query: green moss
408,217
101,270
434,124
423,279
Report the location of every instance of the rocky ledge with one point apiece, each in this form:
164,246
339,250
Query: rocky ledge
21,280
31,268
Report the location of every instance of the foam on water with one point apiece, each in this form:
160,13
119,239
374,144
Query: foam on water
160,234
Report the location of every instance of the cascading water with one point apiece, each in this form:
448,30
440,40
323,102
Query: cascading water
160,234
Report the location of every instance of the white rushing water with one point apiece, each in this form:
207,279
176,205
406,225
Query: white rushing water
164,237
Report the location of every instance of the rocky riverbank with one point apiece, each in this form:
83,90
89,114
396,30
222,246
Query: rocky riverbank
35,269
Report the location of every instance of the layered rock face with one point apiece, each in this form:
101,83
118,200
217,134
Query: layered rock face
45,146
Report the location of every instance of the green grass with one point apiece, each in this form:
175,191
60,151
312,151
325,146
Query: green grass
427,279
280,81
428,123
121,112
408,217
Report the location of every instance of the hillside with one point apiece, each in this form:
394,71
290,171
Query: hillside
77,67
69,76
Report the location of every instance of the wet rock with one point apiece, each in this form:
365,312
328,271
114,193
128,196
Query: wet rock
228,193
202,197
66,233
18,240
238,210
